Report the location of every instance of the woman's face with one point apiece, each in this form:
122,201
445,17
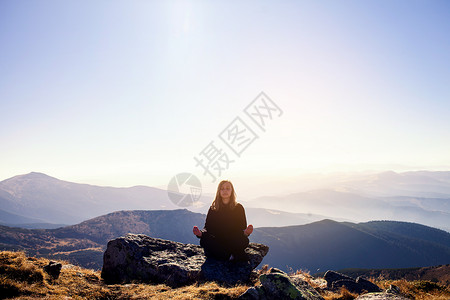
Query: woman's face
225,192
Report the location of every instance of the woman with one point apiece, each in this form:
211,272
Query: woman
225,234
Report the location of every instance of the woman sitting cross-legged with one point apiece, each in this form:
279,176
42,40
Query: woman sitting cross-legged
225,234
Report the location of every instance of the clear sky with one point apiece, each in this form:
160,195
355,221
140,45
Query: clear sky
127,92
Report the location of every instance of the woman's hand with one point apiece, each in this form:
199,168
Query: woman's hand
248,230
197,231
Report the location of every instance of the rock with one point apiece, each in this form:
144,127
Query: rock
69,266
349,284
137,257
332,276
367,285
278,285
337,280
393,289
276,270
254,293
305,287
53,269
381,296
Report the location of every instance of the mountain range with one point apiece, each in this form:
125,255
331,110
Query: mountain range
335,245
316,246
36,200
328,227
50,200
420,197
429,211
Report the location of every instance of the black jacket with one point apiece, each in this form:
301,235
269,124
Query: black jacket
225,222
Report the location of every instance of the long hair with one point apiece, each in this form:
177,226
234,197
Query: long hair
217,203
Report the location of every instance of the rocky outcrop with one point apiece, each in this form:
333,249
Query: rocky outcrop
332,276
137,257
278,285
336,280
53,269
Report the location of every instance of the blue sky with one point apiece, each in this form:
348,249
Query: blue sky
128,92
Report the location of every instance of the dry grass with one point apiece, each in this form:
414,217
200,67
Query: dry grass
418,289
22,277
343,294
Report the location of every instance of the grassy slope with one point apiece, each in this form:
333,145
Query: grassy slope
22,277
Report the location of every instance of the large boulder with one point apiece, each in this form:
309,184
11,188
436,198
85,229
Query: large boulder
140,258
333,276
336,280
278,285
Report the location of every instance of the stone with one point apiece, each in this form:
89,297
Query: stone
393,289
332,276
367,285
53,269
351,285
278,285
303,286
276,270
337,280
381,296
254,293
140,258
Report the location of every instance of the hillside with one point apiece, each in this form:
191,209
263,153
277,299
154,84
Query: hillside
39,196
439,274
317,246
264,217
336,245
84,243
10,218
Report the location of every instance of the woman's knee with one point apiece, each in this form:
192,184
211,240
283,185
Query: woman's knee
209,241
238,243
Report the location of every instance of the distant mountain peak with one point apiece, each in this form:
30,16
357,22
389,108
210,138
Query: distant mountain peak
388,175
38,175
31,176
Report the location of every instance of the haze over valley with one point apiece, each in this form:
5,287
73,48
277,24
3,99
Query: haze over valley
38,200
